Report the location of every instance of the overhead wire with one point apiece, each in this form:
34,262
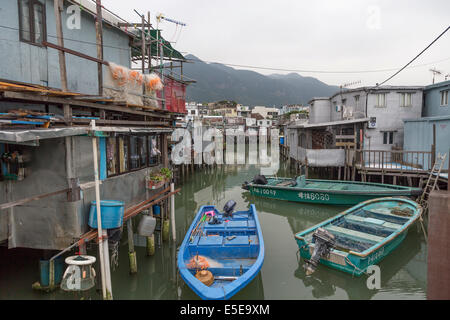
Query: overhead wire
312,71
379,84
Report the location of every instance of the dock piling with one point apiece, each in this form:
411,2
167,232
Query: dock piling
131,251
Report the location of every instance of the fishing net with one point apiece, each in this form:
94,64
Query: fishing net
198,262
124,84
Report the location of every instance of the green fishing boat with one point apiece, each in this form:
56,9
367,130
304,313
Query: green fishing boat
332,192
358,237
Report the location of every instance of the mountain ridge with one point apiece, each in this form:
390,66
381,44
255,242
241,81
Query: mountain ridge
217,82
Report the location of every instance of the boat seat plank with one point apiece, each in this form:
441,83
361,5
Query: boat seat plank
354,233
339,187
215,240
379,222
237,241
285,183
237,224
385,211
382,212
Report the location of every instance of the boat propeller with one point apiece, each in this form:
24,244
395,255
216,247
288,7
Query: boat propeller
323,241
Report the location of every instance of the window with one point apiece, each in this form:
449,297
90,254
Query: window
154,147
357,101
32,21
301,140
380,100
111,156
444,98
126,153
143,151
405,100
134,153
388,137
344,101
123,154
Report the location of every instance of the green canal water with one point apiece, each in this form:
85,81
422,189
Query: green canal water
403,274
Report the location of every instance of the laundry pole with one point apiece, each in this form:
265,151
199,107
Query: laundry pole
103,250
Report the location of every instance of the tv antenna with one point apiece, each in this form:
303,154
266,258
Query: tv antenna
161,16
345,85
349,84
435,72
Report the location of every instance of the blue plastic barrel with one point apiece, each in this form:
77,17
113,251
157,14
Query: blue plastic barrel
281,140
111,211
44,268
156,209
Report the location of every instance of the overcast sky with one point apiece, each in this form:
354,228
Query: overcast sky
331,35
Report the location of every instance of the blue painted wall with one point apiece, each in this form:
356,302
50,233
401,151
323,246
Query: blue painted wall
24,62
432,100
419,135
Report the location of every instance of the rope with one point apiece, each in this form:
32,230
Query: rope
355,267
115,256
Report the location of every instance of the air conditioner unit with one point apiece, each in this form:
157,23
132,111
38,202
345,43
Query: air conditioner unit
372,123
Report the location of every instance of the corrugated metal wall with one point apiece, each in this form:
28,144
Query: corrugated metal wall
24,62
419,136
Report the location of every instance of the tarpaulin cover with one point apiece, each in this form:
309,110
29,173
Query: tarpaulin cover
325,157
168,51
174,95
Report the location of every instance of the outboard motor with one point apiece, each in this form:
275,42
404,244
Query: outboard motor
260,179
229,208
323,241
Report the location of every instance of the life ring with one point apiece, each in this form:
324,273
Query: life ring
87,260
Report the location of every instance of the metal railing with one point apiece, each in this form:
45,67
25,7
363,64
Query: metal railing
395,160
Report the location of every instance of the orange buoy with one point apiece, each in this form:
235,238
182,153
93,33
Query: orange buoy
205,276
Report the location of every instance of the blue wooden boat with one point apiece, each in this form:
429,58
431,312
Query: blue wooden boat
333,192
221,252
358,237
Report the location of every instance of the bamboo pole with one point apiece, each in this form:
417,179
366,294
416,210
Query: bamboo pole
99,38
62,58
172,212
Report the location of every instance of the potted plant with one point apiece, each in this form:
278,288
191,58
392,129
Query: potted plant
167,173
157,179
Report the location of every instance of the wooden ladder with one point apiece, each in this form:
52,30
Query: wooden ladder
432,181
429,187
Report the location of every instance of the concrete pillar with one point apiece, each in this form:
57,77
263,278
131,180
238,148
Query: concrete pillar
438,244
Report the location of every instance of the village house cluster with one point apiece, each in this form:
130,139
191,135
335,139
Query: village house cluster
384,131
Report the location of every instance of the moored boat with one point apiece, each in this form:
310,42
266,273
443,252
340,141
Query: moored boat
221,252
358,237
332,192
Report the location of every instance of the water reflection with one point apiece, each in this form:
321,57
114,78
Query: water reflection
403,273
299,215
